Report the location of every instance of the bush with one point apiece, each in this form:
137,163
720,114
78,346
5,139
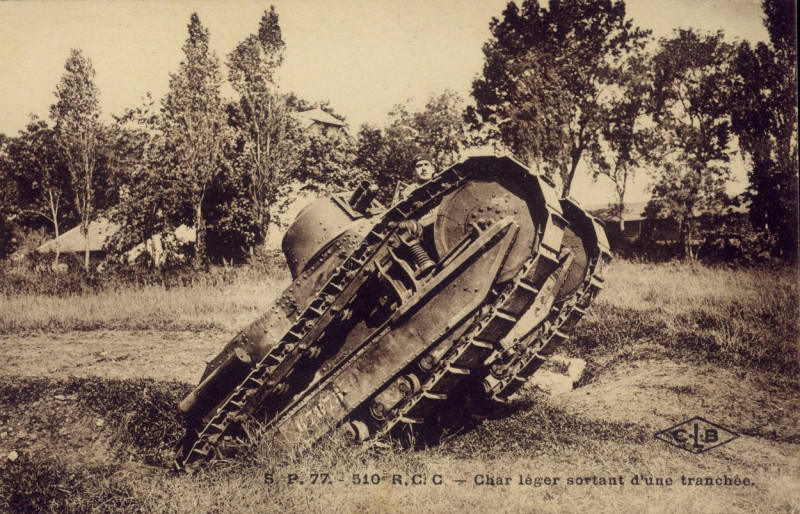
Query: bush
644,249
33,275
735,248
738,249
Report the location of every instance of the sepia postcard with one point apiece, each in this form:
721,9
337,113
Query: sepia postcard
399,256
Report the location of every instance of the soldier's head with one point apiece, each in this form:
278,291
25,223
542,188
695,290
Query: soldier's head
423,168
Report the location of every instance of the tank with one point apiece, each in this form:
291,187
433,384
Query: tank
453,296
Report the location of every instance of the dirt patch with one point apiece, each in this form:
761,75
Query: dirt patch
661,392
112,354
91,416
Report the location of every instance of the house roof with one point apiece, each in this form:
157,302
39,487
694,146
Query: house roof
632,211
99,232
317,115
73,241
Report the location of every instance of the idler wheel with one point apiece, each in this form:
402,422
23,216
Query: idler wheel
579,268
483,203
578,236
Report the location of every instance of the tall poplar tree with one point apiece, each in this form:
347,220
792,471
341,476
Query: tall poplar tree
194,126
78,133
266,130
764,116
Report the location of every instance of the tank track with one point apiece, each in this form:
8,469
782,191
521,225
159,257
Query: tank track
512,369
469,359
509,369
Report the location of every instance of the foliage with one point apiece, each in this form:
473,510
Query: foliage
327,162
763,105
78,132
9,202
267,136
41,178
34,275
9,231
626,142
693,129
544,76
382,159
40,173
437,130
233,230
737,248
194,127
151,207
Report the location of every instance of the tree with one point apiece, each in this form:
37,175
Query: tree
372,151
327,162
691,114
764,117
545,75
9,203
625,142
78,133
41,176
267,134
439,128
150,206
194,126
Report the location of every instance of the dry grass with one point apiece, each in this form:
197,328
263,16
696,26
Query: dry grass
744,317
678,287
226,307
538,438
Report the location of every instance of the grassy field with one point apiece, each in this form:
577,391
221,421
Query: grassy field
228,305
747,318
664,343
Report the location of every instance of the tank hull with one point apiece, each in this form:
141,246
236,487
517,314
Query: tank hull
461,290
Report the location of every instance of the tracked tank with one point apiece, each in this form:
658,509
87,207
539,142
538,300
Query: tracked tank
456,294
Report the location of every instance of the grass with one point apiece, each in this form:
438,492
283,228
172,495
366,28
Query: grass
536,438
224,306
742,317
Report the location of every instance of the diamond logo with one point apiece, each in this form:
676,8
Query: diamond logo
697,435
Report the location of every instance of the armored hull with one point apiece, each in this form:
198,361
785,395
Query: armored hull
461,290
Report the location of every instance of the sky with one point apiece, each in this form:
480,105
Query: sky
364,56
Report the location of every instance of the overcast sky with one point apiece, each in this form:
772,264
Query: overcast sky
363,55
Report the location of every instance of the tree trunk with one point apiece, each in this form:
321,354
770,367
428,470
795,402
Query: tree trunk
570,176
686,239
682,237
200,234
58,247
575,154
85,231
